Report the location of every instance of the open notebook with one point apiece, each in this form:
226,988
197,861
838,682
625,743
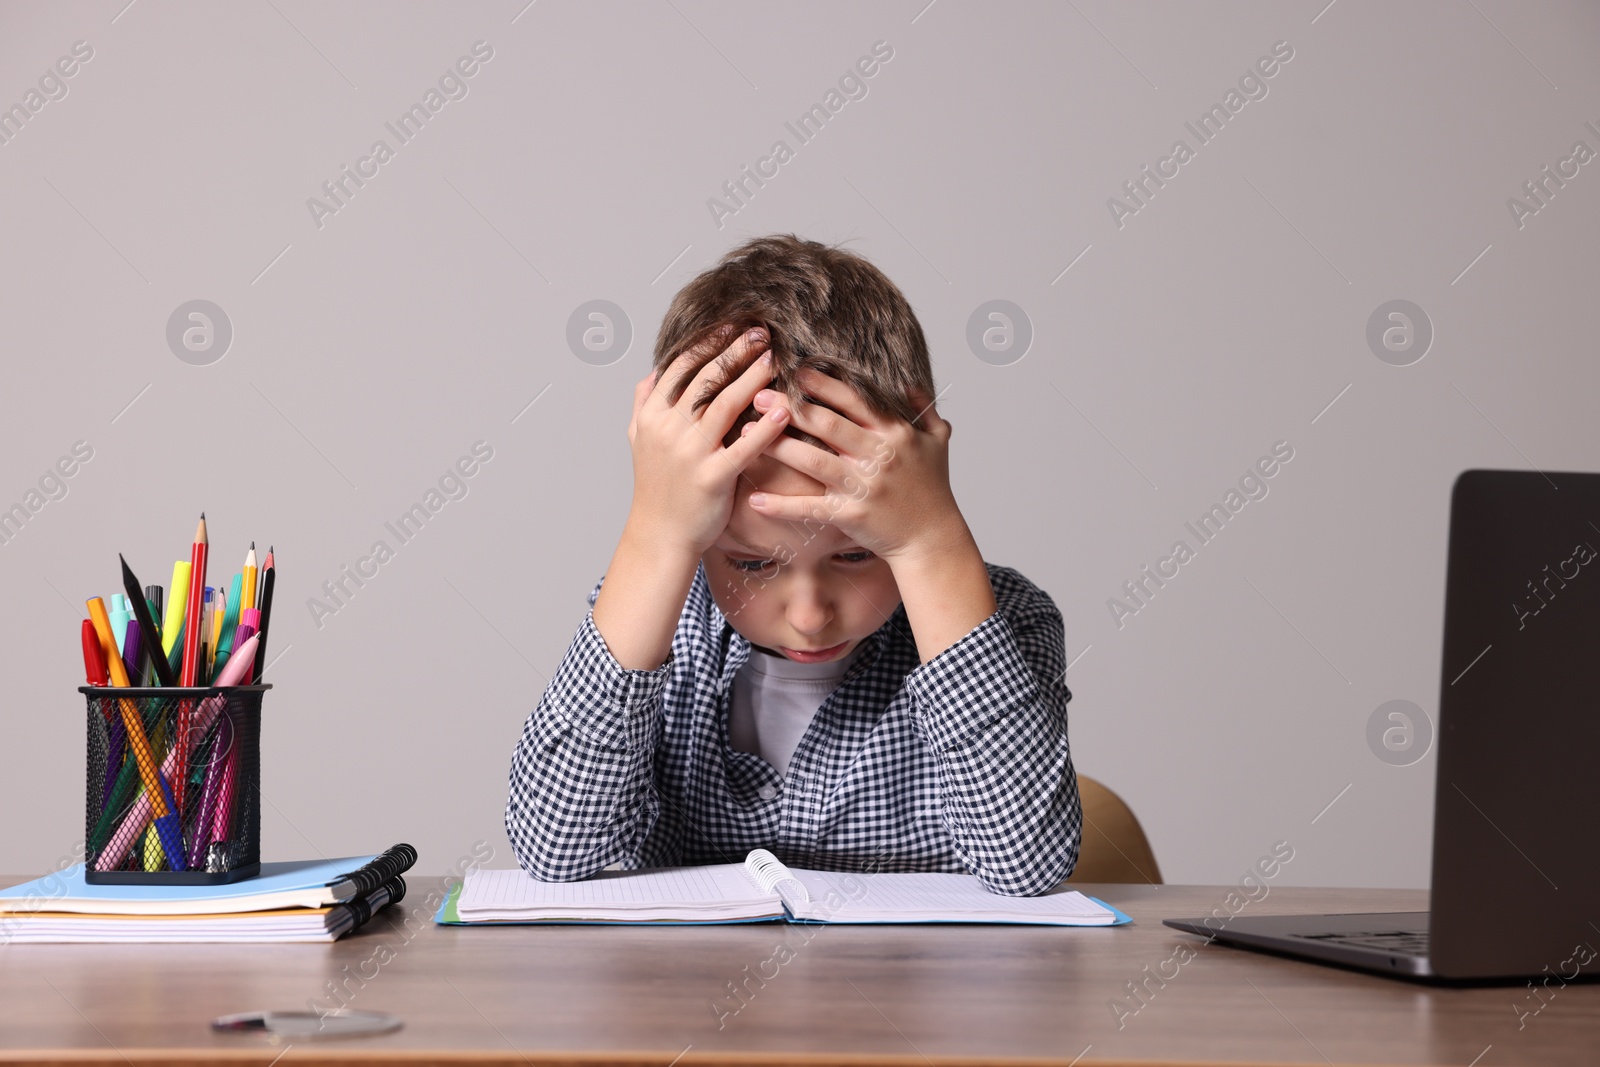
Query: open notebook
761,889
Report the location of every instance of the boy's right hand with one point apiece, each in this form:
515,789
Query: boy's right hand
683,477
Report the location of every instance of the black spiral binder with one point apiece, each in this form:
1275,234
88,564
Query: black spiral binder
367,905
385,868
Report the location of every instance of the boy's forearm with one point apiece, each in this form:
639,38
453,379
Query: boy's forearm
945,589
994,711
642,597
581,771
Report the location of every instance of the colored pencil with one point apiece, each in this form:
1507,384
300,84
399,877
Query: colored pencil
267,582
250,575
189,674
146,619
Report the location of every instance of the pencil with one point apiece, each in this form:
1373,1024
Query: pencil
266,617
147,625
193,614
193,636
250,575
219,613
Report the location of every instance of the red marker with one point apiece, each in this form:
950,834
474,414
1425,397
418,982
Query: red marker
94,660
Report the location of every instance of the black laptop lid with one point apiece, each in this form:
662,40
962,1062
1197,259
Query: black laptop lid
1516,856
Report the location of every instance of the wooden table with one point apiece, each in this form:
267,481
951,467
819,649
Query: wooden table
842,994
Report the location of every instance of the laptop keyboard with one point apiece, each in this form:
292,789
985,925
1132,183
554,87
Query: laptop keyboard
1394,942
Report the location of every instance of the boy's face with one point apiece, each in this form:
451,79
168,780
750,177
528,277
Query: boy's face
790,589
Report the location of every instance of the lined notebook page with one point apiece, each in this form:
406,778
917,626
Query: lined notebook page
935,897
690,893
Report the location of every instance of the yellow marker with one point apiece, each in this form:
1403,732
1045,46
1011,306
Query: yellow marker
152,850
177,602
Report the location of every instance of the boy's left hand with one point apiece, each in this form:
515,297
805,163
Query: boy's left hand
889,486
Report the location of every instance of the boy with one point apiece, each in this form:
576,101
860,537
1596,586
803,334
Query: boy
797,645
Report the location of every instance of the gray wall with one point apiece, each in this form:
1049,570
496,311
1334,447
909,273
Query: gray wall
1171,348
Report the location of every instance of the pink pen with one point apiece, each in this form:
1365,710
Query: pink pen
233,673
222,825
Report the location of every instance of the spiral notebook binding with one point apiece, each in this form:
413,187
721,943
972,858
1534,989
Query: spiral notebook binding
367,905
769,872
385,868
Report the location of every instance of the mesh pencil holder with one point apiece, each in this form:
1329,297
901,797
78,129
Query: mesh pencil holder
173,790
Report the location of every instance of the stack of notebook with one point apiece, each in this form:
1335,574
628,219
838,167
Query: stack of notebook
318,900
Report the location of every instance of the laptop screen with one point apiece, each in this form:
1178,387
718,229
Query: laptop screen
1516,857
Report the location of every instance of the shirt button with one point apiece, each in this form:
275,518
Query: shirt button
766,792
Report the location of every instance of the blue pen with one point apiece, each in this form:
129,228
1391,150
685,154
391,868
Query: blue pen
169,829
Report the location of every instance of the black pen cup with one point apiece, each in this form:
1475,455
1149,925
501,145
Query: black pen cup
173,785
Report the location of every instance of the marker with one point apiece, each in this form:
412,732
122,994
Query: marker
218,854
120,614
94,670
94,660
132,648
228,634
116,749
175,656
249,623
177,598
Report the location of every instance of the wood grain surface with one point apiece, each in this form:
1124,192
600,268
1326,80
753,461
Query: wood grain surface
810,995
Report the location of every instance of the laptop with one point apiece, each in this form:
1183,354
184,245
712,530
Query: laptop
1516,821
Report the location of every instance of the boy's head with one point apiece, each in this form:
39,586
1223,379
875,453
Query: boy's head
787,587
822,307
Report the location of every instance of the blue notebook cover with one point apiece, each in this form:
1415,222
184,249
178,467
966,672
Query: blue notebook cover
1123,918
277,877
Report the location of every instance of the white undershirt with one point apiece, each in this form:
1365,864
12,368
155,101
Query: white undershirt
774,700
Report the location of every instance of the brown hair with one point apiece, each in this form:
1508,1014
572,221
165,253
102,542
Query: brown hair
822,307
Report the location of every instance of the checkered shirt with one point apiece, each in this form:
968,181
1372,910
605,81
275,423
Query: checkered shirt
958,764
